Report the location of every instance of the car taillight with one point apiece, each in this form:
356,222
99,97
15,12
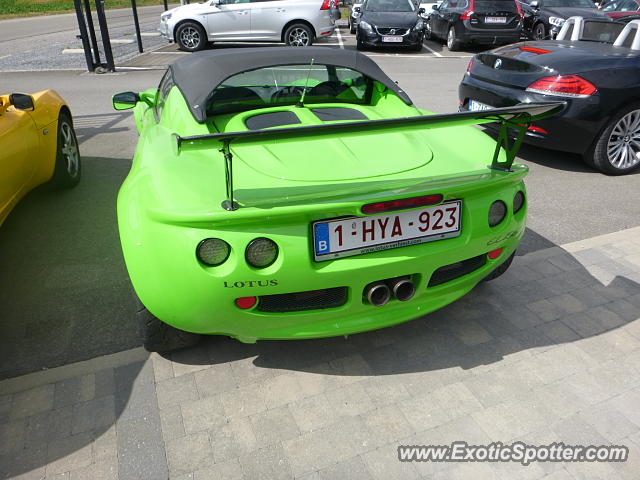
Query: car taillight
564,86
326,5
519,10
466,15
537,51
470,65
402,204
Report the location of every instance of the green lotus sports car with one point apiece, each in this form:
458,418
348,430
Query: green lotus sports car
284,193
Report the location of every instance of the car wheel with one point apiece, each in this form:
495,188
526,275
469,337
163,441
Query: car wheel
191,37
352,28
453,44
617,150
67,170
503,267
157,336
359,44
539,32
298,35
417,47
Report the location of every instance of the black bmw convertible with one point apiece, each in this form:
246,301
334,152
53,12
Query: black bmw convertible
597,74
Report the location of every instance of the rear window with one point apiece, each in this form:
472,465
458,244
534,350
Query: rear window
494,6
287,85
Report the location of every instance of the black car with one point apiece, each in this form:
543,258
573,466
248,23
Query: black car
394,23
493,22
599,82
544,18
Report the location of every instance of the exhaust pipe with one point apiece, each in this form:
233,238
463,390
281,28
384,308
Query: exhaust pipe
377,294
402,288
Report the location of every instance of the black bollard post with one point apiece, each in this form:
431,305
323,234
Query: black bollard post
84,36
92,32
104,33
134,8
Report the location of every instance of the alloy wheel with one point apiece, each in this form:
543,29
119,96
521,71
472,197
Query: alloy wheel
69,149
450,38
298,37
623,147
190,37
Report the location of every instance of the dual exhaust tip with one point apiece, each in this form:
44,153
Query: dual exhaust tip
379,293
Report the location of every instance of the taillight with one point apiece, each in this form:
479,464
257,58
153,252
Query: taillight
246,303
534,129
402,204
326,5
564,86
520,12
537,51
470,65
466,15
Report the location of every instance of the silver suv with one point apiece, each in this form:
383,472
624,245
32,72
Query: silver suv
296,22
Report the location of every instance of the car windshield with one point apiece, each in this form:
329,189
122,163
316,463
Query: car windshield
390,6
287,85
568,3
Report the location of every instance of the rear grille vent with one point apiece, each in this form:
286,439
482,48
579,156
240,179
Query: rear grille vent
456,270
300,301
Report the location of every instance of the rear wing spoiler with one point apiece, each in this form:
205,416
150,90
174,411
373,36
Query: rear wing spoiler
518,117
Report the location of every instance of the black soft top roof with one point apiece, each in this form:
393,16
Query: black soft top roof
197,75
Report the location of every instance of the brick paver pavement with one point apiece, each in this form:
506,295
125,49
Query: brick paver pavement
549,352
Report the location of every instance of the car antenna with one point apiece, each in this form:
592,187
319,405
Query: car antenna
300,103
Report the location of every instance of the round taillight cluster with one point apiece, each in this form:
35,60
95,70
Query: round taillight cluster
518,201
213,251
497,212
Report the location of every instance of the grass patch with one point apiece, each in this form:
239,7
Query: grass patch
25,8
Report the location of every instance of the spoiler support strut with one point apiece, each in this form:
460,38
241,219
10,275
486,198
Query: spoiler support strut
503,141
228,204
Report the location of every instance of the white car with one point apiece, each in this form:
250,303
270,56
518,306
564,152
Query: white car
296,22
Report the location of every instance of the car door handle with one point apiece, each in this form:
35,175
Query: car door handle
280,10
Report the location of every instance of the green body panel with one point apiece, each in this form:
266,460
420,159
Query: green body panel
171,201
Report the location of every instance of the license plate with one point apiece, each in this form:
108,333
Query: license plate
495,20
357,235
392,39
475,106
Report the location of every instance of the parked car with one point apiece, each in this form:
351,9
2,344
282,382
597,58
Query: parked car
396,23
544,18
601,120
285,193
621,8
38,145
298,23
488,22
353,17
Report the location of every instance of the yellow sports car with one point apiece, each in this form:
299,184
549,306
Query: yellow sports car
37,144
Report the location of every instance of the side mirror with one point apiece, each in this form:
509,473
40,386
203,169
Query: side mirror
357,9
421,11
21,101
535,4
125,100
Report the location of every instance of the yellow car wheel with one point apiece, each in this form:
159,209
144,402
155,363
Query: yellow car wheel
67,170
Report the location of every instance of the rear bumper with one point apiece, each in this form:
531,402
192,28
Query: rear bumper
180,291
573,130
469,33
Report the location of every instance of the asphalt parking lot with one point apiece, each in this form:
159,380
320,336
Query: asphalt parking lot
65,297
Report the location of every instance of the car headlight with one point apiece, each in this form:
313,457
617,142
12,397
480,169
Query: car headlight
165,16
365,26
213,251
261,252
556,21
497,212
419,25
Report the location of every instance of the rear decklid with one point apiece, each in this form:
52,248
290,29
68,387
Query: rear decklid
521,63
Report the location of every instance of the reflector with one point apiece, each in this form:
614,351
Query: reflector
401,204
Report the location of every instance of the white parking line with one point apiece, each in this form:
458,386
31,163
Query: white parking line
431,50
339,38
